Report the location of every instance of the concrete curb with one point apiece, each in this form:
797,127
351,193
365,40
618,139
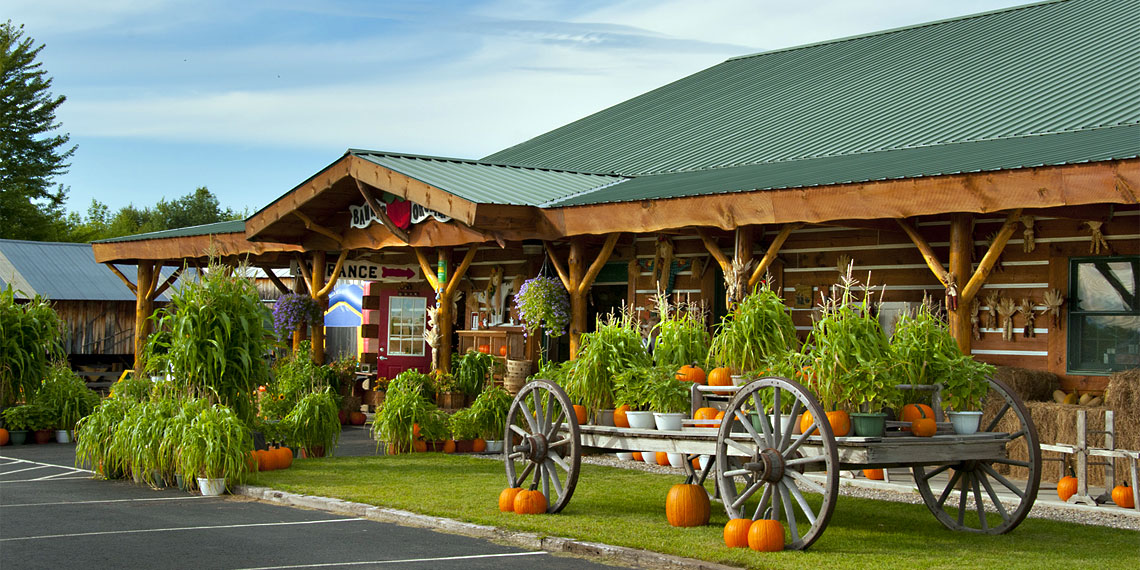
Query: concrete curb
554,544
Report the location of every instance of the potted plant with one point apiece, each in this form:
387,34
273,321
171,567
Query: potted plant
472,372
680,336
670,400
757,328
464,428
170,449
95,436
215,448
292,311
615,345
32,337
403,409
67,399
313,425
631,394
21,420
543,302
963,389
490,411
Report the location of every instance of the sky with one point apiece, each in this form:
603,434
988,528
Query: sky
251,98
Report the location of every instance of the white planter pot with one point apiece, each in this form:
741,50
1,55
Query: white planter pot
625,456
62,436
965,423
704,461
494,446
641,420
212,487
677,460
649,457
668,422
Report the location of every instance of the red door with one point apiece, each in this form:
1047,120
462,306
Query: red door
403,315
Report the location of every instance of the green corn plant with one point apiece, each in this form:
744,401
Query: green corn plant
31,336
615,345
313,422
925,353
681,336
759,328
490,410
66,397
95,435
216,445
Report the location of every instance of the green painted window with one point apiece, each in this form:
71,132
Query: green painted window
1104,314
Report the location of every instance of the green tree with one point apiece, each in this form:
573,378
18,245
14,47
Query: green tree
194,209
31,151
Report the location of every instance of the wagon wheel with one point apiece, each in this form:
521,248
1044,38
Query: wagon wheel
541,443
1005,502
770,462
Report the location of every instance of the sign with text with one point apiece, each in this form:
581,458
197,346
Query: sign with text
363,216
369,271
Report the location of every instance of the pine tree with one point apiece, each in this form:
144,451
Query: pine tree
31,151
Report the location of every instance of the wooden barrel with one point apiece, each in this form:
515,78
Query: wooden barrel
517,373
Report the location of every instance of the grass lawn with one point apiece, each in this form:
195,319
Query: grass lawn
627,508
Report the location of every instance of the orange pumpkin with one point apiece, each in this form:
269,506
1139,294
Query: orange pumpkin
3,436
662,458
266,460
1067,487
479,445
484,348
507,499
530,502
719,416
637,456
449,446
691,373
697,464
503,350
720,377
911,412
766,535
252,461
736,533
620,419
284,457
415,431
873,474
419,446
840,422
923,426
706,414
687,505
580,413
1122,496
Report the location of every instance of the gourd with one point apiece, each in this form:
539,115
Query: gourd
662,458
503,350
507,499
266,460
924,426
529,502
1122,496
691,373
484,348
705,414
449,446
637,456
736,533
687,505
1067,486
720,377
766,535
479,445
620,419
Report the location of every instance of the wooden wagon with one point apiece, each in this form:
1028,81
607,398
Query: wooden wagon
765,467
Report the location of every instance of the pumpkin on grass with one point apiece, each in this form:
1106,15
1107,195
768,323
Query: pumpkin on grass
766,535
687,505
736,533
530,502
284,457
507,499
1122,496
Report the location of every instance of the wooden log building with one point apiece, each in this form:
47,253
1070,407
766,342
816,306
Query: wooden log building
989,160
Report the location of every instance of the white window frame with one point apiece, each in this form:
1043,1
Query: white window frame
407,307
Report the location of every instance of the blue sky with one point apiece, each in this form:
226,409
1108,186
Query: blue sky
250,98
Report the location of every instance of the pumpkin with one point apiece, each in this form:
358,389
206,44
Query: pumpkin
911,412
705,414
415,431
766,535
662,458
719,416
530,502
357,418
687,505
873,474
637,456
503,350
252,461
392,449
419,446
580,413
479,445
840,422
507,499
266,460
284,457
3,436
449,446
925,425
736,533
484,348
720,377
1122,496
697,464
620,420
691,373
1067,487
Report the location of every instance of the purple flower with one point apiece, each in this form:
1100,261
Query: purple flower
544,302
293,310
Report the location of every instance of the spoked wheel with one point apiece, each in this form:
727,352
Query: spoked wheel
759,457
993,495
541,448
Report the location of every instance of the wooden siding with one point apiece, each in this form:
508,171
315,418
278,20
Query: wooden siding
97,327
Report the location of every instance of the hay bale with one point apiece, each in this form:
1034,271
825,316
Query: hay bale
1030,385
1123,394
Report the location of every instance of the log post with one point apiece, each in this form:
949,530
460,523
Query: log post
144,306
961,245
576,270
445,296
322,299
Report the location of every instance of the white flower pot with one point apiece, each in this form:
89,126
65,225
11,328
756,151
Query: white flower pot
668,422
494,446
212,487
62,436
625,456
641,420
704,461
677,460
649,457
965,423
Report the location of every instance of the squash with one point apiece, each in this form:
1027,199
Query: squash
449,446
620,419
580,413
1071,398
736,533
479,445
1059,396
484,348
911,412
662,458
503,350
1067,487
3,436
284,457
705,414
766,535
419,446
687,505
357,418
637,456
720,377
840,422
873,474
530,502
266,460
507,499
691,373
1122,496
924,426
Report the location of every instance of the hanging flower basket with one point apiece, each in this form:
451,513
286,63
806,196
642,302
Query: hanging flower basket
292,310
543,302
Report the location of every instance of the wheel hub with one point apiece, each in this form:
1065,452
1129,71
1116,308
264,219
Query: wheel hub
769,465
534,447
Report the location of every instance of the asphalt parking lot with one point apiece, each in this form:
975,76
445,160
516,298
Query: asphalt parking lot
53,515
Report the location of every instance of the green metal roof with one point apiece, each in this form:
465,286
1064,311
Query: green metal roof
231,227
1053,67
65,272
488,183
1018,152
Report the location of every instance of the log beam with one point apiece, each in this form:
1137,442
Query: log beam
444,316
144,306
281,288
314,226
558,268
927,252
714,250
429,273
770,255
166,284
986,265
115,270
328,287
579,280
318,281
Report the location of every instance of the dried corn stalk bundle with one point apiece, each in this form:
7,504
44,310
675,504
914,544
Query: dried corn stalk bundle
975,325
1053,301
1097,238
1025,307
991,310
951,292
736,279
1006,309
1027,244
844,263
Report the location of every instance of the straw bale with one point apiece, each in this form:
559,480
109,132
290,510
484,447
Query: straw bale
1123,394
1030,385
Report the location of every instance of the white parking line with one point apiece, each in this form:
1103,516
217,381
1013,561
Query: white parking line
401,561
42,480
25,469
16,460
145,530
102,501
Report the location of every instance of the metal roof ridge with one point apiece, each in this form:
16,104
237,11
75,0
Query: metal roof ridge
32,241
554,202
476,162
161,233
896,30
